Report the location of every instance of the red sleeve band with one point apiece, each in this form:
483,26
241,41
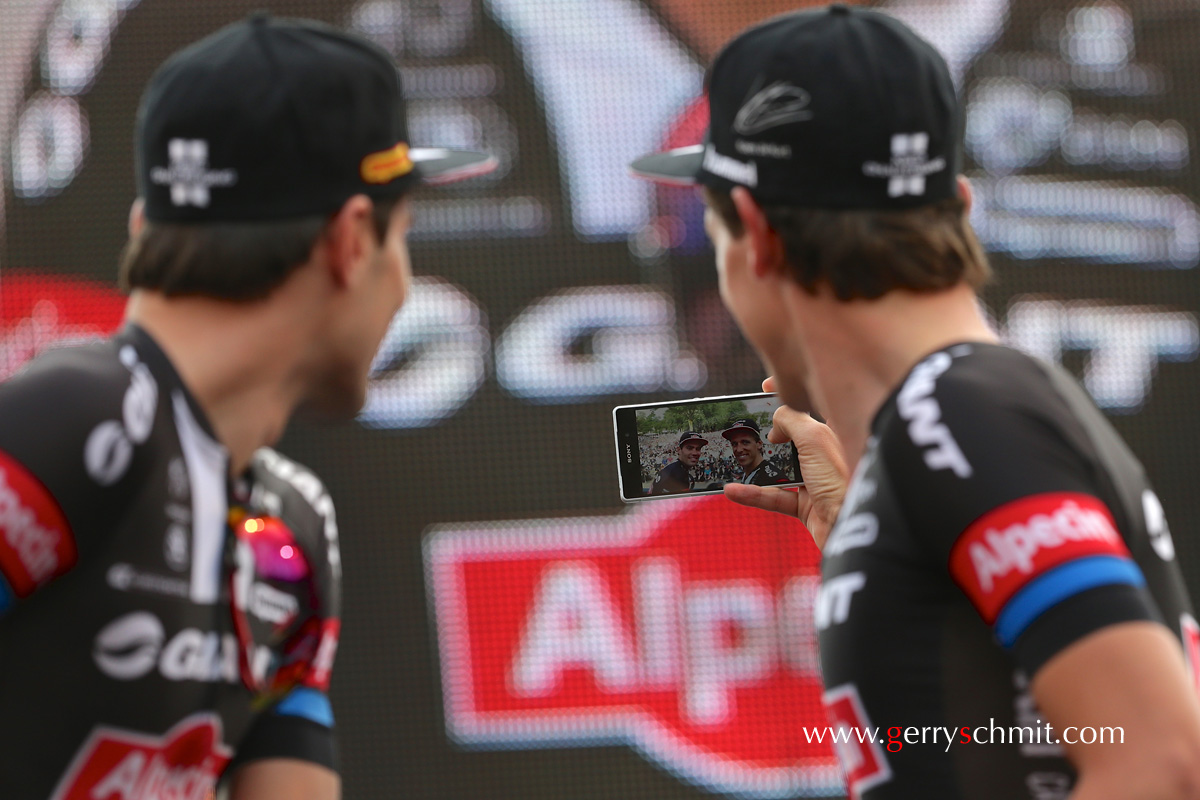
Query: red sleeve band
36,543
1010,546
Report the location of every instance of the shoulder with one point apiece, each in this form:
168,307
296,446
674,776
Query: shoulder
94,376
74,427
765,474
272,464
99,400
283,488
292,487
975,429
287,489
974,398
975,375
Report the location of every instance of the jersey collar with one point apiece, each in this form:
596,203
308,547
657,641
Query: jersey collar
162,369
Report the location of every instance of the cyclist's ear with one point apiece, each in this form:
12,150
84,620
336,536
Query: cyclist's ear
137,218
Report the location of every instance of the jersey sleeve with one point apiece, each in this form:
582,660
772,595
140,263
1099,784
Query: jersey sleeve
1003,493
300,726
672,479
769,475
71,429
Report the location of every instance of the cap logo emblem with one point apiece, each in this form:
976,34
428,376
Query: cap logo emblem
730,168
188,174
776,104
386,165
910,165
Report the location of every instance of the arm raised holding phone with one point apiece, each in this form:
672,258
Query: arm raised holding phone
1001,554
822,463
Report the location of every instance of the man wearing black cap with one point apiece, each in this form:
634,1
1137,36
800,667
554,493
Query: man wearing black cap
746,440
676,477
1000,593
169,586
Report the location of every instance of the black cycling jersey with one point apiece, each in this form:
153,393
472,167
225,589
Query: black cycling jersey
765,474
674,478
126,669
995,518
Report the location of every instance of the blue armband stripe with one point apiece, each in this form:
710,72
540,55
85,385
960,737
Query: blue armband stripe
6,595
309,704
1060,583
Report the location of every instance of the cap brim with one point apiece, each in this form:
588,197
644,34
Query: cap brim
702,441
678,167
438,166
728,432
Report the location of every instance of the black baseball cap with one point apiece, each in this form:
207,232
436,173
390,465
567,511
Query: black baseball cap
273,118
692,436
836,108
742,425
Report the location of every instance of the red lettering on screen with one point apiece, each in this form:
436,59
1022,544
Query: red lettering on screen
39,311
685,630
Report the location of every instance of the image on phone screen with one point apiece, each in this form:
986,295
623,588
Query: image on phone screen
690,447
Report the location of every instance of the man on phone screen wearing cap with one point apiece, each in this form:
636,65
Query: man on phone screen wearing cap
676,477
170,586
998,568
746,440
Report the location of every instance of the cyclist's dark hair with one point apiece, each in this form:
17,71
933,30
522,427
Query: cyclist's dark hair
226,260
866,254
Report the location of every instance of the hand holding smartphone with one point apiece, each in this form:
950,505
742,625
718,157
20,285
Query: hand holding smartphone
690,447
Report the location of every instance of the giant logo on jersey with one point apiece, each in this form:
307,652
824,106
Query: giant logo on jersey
131,646
115,764
921,411
685,630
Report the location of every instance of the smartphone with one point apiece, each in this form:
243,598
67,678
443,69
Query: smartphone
690,447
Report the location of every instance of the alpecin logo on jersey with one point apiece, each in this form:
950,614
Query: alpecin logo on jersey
115,764
1008,547
865,762
36,543
685,630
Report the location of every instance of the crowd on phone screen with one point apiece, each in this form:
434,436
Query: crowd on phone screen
717,464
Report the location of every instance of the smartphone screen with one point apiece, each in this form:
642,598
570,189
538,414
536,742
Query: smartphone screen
690,447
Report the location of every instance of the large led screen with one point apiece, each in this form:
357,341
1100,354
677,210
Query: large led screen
511,629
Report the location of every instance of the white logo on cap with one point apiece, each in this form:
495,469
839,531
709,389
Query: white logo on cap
188,175
730,168
777,104
910,165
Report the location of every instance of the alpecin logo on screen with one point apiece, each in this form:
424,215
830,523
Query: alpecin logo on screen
685,630
39,311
